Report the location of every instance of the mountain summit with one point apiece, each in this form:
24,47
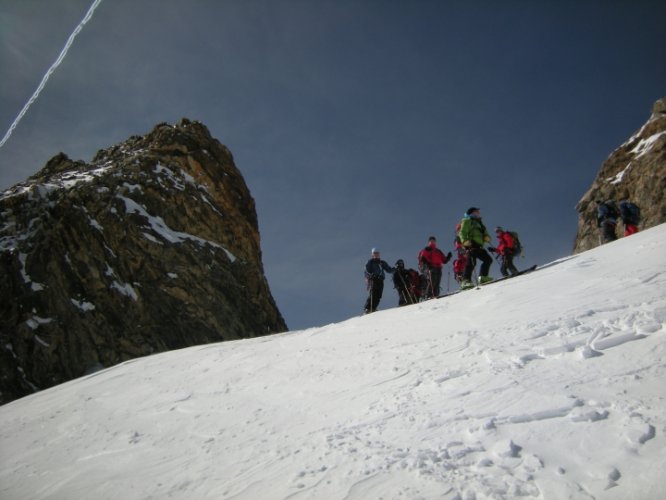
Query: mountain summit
152,246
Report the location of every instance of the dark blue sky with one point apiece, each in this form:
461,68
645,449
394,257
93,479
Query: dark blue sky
355,123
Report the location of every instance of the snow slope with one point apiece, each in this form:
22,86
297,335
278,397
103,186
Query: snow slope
550,385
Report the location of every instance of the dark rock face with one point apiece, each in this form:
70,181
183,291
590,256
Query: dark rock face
152,246
635,171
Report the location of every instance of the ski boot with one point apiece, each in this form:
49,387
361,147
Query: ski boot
466,285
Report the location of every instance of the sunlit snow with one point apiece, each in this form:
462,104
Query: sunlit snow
546,386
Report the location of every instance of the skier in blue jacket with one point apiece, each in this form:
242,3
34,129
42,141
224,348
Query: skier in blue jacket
374,275
607,216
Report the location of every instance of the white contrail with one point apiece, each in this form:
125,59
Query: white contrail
53,67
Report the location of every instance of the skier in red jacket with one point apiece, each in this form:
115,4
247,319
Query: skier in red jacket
506,249
431,261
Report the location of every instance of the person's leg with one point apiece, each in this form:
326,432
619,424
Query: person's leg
469,266
486,261
436,280
378,290
503,267
509,264
608,229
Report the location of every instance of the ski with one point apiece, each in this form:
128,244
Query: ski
520,273
479,286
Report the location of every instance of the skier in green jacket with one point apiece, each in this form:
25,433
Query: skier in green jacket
474,235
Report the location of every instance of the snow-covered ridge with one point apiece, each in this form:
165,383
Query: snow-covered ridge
546,386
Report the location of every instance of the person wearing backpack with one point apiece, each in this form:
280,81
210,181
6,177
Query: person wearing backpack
403,283
631,217
507,247
607,216
374,276
431,261
474,235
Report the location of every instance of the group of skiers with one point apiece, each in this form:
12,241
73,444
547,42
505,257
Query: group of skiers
609,213
471,236
413,286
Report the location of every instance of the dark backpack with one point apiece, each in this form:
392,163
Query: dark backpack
630,212
607,210
517,245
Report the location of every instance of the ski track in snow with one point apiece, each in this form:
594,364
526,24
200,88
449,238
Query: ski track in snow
549,385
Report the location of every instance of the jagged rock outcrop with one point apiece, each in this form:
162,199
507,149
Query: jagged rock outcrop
635,171
152,246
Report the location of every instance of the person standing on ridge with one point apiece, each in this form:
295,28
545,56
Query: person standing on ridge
431,261
374,275
631,217
607,216
474,235
506,249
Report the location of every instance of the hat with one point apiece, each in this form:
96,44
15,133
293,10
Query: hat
374,250
499,228
432,238
400,263
471,210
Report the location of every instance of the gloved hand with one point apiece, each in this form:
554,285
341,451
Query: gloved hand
492,249
448,256
467,243
486,239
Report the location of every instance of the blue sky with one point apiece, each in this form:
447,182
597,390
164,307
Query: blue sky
355,123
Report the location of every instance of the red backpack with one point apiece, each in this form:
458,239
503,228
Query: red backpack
415,283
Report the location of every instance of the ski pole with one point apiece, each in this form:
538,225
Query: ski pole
432,288
405,290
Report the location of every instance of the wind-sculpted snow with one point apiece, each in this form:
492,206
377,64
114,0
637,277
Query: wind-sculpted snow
546,386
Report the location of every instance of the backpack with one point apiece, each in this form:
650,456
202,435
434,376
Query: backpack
459,266
415,283
607,210
517,245
630,212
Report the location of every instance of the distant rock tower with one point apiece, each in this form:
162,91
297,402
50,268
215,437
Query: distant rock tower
152,246
635,171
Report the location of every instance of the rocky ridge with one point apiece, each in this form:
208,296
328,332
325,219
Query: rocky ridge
152,246
635,171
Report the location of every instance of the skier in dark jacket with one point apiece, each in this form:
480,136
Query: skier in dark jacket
506,249
607,216
374,275
402,282
474,235
431,261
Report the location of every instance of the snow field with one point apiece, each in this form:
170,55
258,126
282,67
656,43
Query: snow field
549,385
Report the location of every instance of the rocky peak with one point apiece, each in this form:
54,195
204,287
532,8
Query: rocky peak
153,245
635,171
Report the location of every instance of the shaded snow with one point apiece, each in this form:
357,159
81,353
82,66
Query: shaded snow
83,305
546,386
125,289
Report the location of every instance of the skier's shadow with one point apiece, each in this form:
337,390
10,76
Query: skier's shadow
557,262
